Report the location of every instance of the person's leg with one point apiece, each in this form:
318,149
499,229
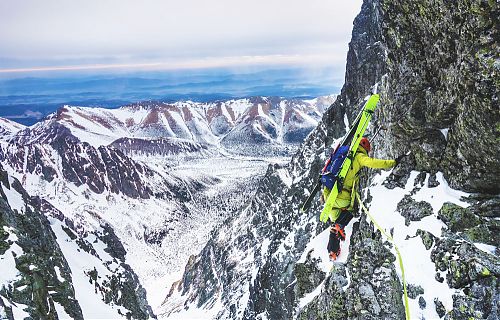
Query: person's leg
342,221
344,218
333,245
333,240
337,229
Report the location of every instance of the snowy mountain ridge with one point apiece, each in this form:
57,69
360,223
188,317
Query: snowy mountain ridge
230,123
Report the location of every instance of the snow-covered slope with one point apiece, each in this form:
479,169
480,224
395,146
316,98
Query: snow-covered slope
154,214
117,209
270,120
53,268
9,128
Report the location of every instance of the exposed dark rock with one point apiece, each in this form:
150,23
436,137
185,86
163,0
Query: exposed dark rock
441,67
438,277
457,218
486,206
375,288
428,238
414,291
421,302
308,276
432,182
115,247
331,304
413,210
487,232
400,175
464,263
440,309
428,151
420,179
481,301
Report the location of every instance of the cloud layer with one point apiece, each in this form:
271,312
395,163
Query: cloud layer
61,33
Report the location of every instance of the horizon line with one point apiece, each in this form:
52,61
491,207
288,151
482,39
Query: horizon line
206,63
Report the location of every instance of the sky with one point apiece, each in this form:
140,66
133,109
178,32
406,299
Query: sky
55,35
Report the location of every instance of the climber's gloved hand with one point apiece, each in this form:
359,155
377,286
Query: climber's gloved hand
399,158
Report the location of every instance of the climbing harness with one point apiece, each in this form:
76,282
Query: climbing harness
388,236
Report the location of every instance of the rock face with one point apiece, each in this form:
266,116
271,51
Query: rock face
32,233
373,291
40,281
412,210
441,92
435,64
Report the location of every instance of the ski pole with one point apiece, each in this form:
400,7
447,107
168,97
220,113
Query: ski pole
377,132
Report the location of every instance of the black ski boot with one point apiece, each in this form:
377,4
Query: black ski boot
334,242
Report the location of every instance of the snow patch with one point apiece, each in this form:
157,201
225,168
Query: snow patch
445,132
346,122
285,177
58,274
486,248
8,264
419,269
14,198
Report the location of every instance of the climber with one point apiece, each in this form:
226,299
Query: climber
341,213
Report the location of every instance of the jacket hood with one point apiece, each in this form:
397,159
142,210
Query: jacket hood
361,149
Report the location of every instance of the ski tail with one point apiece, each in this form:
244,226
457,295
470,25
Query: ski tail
308,202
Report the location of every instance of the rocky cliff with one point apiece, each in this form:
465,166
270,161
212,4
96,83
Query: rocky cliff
435,65
47,263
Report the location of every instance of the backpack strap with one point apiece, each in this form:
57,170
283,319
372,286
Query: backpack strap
353,193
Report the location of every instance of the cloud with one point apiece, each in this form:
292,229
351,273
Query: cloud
212,62
28,114
156,30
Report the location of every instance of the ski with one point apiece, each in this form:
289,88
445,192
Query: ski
364,120
345,141
307,203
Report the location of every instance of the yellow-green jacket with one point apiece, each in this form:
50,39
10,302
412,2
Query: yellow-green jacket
361,159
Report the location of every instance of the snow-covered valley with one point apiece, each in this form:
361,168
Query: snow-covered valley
132,213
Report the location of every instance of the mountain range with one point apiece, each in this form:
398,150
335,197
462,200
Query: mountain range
100,187
235,124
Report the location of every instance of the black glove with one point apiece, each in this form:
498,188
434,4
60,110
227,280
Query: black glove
398,159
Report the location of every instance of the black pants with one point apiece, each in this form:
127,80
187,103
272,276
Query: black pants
334,241
344,218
